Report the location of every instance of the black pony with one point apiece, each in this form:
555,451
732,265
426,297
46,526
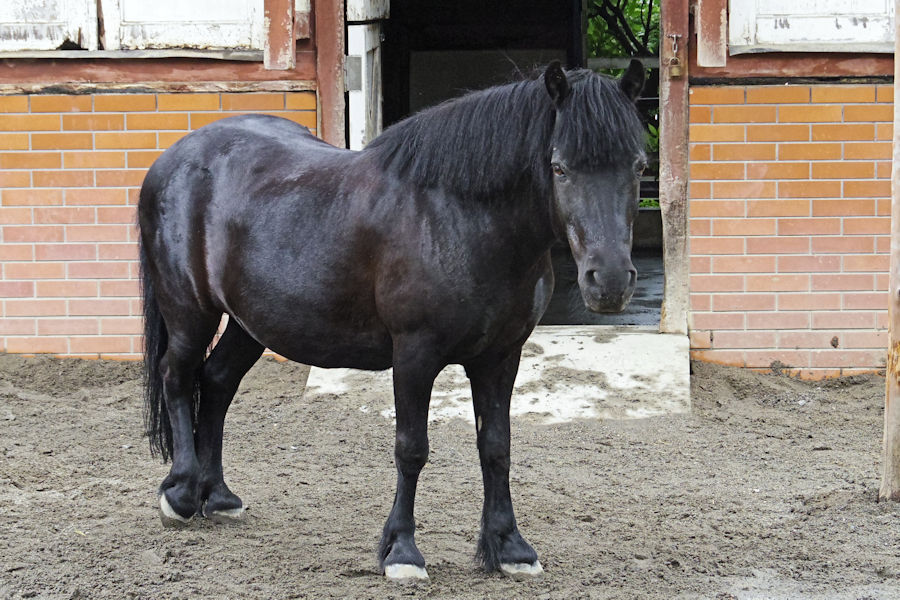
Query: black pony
428,248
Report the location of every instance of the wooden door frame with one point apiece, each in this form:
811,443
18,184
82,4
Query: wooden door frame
673,166
673,144
330,50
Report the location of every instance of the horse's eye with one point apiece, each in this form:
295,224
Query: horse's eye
639,168
558,170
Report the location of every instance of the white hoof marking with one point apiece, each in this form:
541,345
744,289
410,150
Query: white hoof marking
168,515
522,570
227,515
405,572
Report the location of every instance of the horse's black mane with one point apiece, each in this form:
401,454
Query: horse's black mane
484,141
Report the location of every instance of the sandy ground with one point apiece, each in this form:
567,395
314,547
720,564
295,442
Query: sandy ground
767,490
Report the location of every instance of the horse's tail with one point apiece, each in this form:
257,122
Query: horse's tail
156,338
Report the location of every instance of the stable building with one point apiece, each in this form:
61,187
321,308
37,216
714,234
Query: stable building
774,161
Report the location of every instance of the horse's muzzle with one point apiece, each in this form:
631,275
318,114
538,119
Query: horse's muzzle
608,290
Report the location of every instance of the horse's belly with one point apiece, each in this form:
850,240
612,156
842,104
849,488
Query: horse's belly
329,346
330,355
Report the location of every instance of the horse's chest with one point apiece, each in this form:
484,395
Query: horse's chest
502,314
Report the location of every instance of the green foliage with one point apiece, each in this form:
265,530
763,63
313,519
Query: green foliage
629,29
653,136
623,28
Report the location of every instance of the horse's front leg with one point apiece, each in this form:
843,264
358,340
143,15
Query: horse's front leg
414,376
500,546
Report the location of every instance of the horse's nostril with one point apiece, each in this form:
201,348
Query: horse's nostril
632,277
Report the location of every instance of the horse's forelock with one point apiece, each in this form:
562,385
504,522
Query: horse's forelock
597,125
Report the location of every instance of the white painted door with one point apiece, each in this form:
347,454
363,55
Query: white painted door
811,26
48,24
364,19
202,24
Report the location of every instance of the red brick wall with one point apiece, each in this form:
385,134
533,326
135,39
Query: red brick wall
789,218
70,170
789,225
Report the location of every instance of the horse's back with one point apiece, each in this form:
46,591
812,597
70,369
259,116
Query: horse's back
260,128
245,137
231,157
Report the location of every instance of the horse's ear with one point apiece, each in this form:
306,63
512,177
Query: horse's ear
632,81
556,82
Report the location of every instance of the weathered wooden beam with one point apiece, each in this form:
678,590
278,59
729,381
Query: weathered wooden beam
890,473
220,54
301,25
329,35
366,11
280,44
673,150
101,70
796,64
711,22
156,87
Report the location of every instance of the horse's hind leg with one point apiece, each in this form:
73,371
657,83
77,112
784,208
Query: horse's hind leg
220,376
500,546
189,337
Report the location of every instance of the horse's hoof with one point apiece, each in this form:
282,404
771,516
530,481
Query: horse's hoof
168,516
520,571
225,515
405,573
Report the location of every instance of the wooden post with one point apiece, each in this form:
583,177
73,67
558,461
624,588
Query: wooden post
329,28
890,473
281,45
673,164
711,25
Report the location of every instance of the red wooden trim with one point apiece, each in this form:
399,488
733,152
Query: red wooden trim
673,168
280,41
37,71
329,34
711,21
301,26
797,64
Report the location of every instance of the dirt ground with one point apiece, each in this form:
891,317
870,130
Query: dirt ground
767,490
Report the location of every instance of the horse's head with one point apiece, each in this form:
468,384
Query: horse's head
596,163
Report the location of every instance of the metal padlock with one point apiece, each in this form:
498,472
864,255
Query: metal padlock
675,68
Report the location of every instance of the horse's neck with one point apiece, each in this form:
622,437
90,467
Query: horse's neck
524,222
